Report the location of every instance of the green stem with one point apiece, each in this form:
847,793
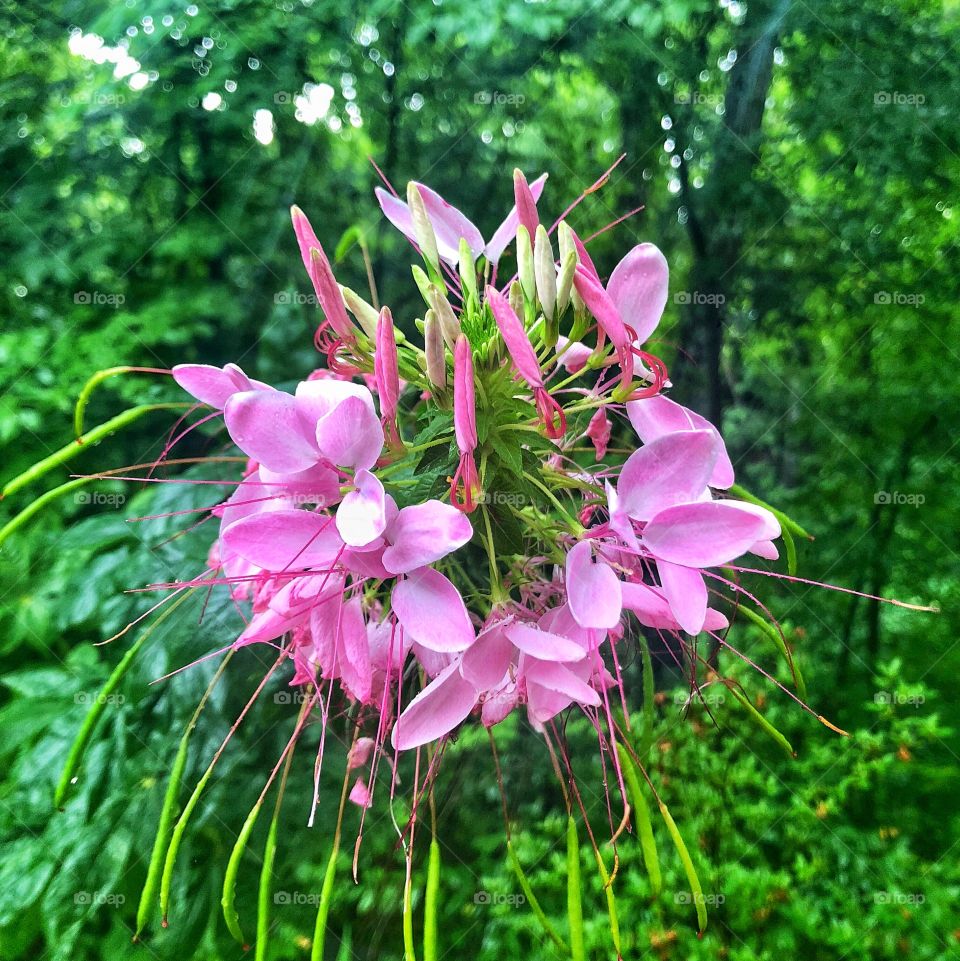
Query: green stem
79,745
77,446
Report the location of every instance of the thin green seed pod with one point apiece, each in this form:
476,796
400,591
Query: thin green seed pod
649,694
79,746
688,868
578,950
791,547
409,952
37,505
611,904
228,899
83,398
323,911
180,827
774,635
785,521
169,809
430,903
266,879
534,903
78,446
641,811
761,721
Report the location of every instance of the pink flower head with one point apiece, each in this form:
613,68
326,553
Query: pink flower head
525,361
465,484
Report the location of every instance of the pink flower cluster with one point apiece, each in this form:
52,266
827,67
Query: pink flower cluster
417,612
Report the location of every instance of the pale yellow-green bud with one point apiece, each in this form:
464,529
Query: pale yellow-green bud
449,324
525,269
433,347
468,270
565,282
367,315
546,273
422,228
516,298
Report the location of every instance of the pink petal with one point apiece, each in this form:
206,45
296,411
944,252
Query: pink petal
265,425
360,794
360,752
686,593
593,590
572,357
486,662
673,469
423,533
448,223
351,435
355,671
598,430
319,484
543,644
284,540
559,680
362,516
435,711
655,416
213,385
702,535
316,398
431,610
771,526
765,549
638,289
505,233
649,605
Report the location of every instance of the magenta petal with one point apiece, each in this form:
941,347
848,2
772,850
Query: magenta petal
319,484
486,662
702,535
423,533
431,611
655,416
638,288
362,516
436,710
673,469
284,540
265,425
351,435
593,590
686,593
543,644
505,233
360,794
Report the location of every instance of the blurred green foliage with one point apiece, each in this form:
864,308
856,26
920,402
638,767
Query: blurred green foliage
797,163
